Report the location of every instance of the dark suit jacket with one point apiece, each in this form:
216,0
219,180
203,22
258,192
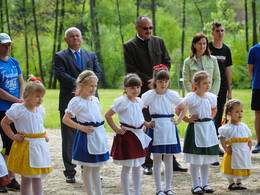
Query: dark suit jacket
141,57
67,70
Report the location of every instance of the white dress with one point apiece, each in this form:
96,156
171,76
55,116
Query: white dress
204,132
89,149
131,118
164,134
29,123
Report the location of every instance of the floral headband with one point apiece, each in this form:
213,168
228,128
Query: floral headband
160,66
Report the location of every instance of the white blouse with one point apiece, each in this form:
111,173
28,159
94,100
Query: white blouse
84,110
229,131
161,103
197,105
129,112
26,121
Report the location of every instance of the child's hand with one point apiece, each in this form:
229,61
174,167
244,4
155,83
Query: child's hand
87,129
46,138
18,137
228,150
250,144
176,122
192,118
150,124
120,130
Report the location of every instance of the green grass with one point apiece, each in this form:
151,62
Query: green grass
107,96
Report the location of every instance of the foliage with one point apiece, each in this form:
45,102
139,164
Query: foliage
168,26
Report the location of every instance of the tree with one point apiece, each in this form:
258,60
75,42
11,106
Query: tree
95,34
38,43
1,16
246,26
153,14
25,38
137,7
8,22
254,23
120,22
200,14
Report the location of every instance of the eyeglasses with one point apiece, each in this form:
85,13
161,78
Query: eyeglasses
146,28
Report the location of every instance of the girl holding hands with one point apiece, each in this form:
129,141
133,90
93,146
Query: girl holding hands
90,148
201,145
29,155
165,140
130,142
235,138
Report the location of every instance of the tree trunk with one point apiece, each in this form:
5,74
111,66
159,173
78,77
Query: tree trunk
200,14
120,22
246,26
8,23
254,23
180,83
95,34
137,7
25,39
60,36
2,15
153,14
38,43
54,42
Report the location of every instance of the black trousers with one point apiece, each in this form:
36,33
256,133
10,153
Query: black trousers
222,97
67,136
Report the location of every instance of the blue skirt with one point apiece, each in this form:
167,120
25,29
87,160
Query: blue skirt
80,150
164,149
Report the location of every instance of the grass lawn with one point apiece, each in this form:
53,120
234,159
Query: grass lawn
107,96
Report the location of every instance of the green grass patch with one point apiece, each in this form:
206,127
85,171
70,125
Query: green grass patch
107,96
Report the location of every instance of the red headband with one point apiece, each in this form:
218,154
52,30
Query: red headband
36,79
160,66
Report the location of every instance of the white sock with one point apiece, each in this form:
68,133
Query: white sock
230,181
204,173
26,185
194,172
239,181
168,171
96,180
136,177
87,179
125,179
37,186
157,161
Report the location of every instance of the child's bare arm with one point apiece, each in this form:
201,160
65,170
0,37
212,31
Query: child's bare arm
181,113
110,121
250,144
213,112
225,147
67,121
5,123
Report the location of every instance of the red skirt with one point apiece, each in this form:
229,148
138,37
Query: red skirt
127,146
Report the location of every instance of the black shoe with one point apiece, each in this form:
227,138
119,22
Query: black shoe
215,164
195,191
70,179
148,171
256,149
177,166
3,189
207,189
233,186
221,152
14,185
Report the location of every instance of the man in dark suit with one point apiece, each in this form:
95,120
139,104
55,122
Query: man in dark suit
68,65
141,54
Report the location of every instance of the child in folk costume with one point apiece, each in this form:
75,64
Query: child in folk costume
201,145
165,140
130,141
29,155
235,138
90,148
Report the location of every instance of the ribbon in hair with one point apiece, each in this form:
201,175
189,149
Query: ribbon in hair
36,79
224,120
160,66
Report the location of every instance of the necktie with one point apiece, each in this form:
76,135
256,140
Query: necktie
78,59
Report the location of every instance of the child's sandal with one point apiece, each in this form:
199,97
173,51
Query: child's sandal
207,189
199,191
169,192
241,186
233,186
160,192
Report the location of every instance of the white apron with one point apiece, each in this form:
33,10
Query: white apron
205,134
39,154
97,141
143,138
3,168
241,157
164,132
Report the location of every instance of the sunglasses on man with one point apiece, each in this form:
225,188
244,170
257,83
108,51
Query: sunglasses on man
146,28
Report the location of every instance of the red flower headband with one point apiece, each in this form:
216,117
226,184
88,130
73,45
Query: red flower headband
36,79
160,66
